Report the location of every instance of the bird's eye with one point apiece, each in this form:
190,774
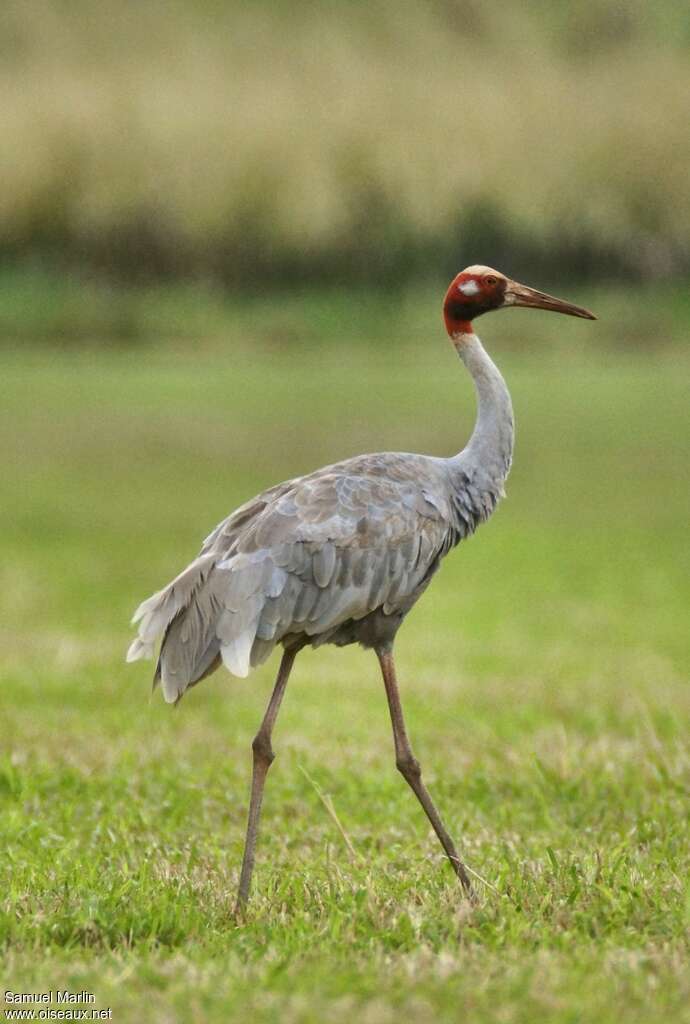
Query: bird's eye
491,280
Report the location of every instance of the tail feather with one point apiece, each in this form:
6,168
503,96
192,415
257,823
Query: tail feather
139,649
211,611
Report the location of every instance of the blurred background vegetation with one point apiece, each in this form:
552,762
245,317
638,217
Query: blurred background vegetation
263,145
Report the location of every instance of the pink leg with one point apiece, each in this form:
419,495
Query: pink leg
409,767
263,758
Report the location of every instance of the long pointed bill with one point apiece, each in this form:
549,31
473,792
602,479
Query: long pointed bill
520,295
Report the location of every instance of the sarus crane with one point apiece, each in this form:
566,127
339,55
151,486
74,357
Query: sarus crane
341,555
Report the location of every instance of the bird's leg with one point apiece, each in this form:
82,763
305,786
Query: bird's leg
263,756
409,767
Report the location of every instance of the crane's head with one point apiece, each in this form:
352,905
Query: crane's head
478,290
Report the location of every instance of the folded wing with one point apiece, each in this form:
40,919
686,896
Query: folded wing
299,560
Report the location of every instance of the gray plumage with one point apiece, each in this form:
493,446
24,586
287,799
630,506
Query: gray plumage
338,556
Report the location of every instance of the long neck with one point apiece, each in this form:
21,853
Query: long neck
486,458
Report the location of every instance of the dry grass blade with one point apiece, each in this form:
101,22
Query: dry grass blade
328,804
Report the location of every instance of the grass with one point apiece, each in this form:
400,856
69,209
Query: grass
345,140
544,677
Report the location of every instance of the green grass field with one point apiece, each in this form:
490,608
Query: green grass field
544,676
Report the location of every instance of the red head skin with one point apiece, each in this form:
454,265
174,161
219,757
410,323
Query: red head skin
478,290
472,292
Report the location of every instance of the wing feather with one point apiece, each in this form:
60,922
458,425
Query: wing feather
303,557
